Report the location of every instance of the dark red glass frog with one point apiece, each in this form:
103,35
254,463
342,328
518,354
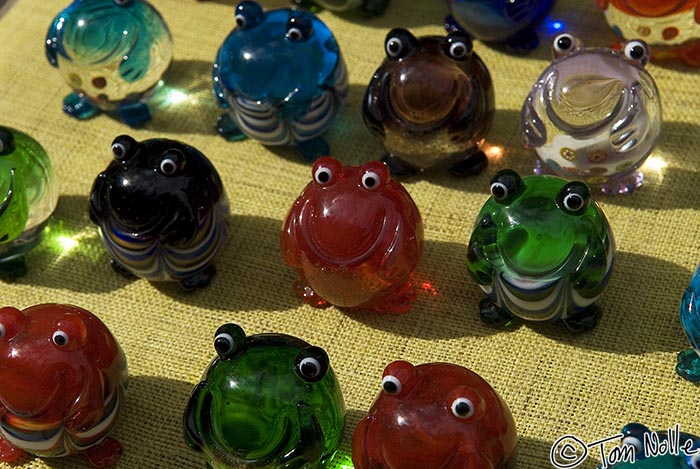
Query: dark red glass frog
355,236
63,379
435,415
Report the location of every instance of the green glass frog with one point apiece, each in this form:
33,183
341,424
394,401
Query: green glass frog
541,250
28,197
266,401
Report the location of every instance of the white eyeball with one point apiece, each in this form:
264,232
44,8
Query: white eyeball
240,20
391,384
564,43
573,202
459,50
394,46
60,338
168,166
118,150
695,461
634,442
3,331
462,408
223,343
309,367
294,34
637,51
323,175
370,180
499,191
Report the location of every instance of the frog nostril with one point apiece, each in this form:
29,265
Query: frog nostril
99,82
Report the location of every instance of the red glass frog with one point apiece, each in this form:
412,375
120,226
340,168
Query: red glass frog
63,379
355,236
435,415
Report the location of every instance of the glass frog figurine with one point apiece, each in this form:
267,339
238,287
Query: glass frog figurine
655,449
420,124
281,79
688,365
670,27
161,210
28,196
266,401
370,7
350,258
112,53
541,250
63,379
594,114
435,415
509,22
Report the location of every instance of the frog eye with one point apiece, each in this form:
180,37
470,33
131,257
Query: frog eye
506,186
249,15
172,161
391,384
574,198
69,333
462,408
563,44
375,175
323,175
326,170
12,321
123,147
60,338
370,180
637,51
227,339
398,43
634,442
123,3
7,141
694,461
312,364
299,28
458,46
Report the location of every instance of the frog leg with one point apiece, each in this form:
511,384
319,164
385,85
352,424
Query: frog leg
309,450
199,280
688,365
473,163
375,7
585,320
310,150
398,167
134,114
399,302
493,314
79,106
104,454
10,453
192,436
228,129
121,270
304,291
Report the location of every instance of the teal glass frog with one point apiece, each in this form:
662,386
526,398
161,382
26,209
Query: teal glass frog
28,196
112,53
541,250
688,365
281,79
266,401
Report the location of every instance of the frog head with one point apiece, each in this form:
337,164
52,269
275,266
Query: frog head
14,209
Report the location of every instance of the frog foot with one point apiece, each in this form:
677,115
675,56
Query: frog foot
399,302
10,453
13,269
199,280
308,295
688,365
310,150
524,41
494,315
398,168
228,129
121,270
375,7
134,114
584,320
473,163
105,454
78,106
624,185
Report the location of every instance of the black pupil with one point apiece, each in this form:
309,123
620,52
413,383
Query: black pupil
575,202
390,387
294,34
462,408
498,191
118,150
370,181
323,177
240,22
308,368
60,339
394,46
637,52
458,50
564,43
222,344
168,167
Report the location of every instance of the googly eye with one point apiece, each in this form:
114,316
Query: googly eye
394,46
123,3
573,202
458,50
60,338
248,15
370,180
564,43
223,343
240,21
637,51
506,185
694,461
299,28
310,368
634,442
458,46
168,166
398,43
118,150
323,175
391,384
574,198
3,330
7,141
123,147
462,408
499,191
294,34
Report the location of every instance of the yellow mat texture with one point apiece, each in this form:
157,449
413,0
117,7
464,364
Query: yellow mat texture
554,382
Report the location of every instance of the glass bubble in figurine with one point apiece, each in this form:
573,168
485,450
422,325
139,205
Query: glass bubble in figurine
161,210
370,7
350,257
688,365
281,79
112,53
266,401
511,22
435,415
670,27
421,124
63,379
27,199
656,449
594,114
541,250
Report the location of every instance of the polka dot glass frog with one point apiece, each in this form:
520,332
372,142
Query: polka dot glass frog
28,196
370,7
688,365
281,78
354,236
670,27
266,401
435,415
112,53
594,114
510,22
421,125
64,379
541,250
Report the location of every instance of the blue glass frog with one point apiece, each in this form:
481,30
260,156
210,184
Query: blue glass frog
281,78
112,53
688,365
